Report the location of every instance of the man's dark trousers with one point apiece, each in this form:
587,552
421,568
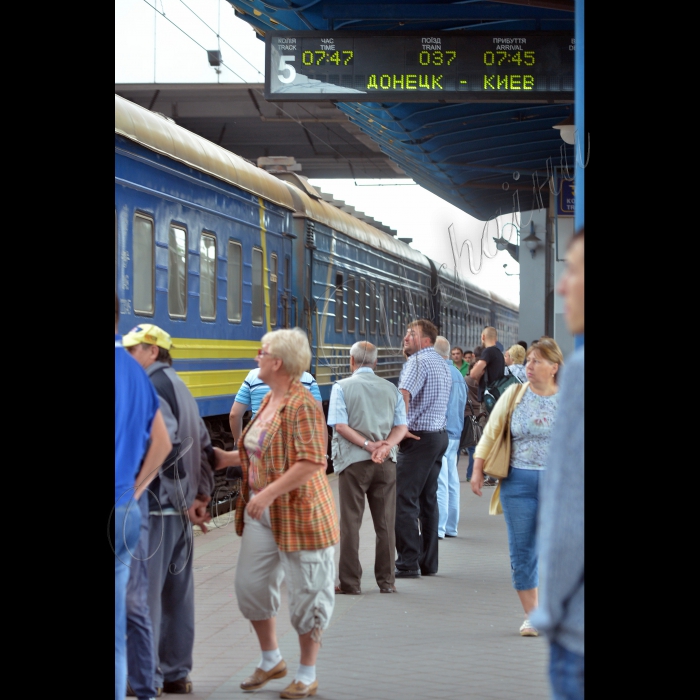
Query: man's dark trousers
417,469
378,483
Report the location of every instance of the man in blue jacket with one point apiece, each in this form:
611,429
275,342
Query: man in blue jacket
560,613
137,417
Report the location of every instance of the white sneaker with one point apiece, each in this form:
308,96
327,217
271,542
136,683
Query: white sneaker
527,630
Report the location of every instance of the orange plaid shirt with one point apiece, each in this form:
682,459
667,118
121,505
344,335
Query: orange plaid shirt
304,518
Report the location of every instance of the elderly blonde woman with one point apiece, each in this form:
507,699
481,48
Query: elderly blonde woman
286,515
515,362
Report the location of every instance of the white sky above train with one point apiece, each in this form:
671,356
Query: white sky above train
150,47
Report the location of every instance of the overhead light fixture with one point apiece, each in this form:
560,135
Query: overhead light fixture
532,241
503,244
214,58
566,129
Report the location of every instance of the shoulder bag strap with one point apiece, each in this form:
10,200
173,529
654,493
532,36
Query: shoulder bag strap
514,401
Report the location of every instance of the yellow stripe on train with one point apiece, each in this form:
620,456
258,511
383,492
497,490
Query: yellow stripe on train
214,383
208,349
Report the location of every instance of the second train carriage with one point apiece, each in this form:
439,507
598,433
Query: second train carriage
355,282
217,252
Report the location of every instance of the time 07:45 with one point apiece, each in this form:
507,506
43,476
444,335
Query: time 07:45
500,57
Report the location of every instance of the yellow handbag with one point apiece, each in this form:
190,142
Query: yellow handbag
497,464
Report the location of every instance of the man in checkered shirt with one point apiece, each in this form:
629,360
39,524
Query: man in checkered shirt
425,384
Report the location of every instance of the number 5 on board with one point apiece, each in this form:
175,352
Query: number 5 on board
289,69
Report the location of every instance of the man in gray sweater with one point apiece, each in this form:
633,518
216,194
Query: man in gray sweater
561,541
368,417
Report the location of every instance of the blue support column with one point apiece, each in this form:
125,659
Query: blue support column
581,145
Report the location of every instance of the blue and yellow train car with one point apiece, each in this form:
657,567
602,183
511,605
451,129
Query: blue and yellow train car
201,249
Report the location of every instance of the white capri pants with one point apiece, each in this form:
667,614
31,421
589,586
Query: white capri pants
261,568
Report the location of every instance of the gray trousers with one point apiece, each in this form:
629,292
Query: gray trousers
378,483
261,568
171,595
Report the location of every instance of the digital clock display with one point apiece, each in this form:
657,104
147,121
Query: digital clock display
420,66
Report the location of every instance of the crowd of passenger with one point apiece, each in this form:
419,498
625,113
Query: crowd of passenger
394,447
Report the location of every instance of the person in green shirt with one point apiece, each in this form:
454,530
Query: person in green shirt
458,360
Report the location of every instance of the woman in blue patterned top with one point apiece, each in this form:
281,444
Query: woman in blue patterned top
530,431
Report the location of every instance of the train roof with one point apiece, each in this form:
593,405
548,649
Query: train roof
504,302
311,205
453,276
162,135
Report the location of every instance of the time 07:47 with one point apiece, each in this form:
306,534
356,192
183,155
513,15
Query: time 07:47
309,58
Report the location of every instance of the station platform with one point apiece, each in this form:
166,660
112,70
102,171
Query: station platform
453,636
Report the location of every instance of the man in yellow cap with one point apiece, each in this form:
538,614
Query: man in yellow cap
184,487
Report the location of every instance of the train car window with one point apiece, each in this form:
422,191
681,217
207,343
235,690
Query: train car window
395,322
373,307
339,309
352,305
273,289
286,283
234,282
207,276
382,309
177,272
390,310
363,306
144,288
257,287
116,253
398,299
397,294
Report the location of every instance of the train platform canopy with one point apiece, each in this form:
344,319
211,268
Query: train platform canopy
486,158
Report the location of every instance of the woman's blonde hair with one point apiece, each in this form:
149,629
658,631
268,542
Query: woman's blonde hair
517,354
549,349
292,347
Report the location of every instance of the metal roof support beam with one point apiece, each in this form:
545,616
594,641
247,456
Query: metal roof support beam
433,12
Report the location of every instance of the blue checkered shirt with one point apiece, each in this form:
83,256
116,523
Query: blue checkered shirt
427,378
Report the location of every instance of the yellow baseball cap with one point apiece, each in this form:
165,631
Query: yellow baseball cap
150,334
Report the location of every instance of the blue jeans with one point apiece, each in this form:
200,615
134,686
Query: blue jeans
139,632
520,499
127,519
470,468
565,672
448,491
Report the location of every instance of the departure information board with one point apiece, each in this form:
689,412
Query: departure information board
420,66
